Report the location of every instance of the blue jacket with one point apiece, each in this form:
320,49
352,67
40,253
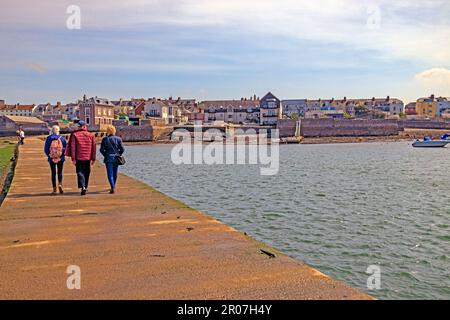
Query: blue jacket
48,142
111,147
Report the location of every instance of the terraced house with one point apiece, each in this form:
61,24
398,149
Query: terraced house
96,112
232,111
165,110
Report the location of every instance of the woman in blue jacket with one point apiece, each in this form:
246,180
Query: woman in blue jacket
111,149
55,147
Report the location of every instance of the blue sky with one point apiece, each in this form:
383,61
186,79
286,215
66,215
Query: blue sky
216,49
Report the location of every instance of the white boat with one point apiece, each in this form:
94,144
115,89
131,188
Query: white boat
430,144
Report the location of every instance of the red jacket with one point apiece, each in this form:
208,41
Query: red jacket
81,146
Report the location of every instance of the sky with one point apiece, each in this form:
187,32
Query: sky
217,49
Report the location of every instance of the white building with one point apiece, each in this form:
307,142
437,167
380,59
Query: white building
166,111
19,110
442,107
232,111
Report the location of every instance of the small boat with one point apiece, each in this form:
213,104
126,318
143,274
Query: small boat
428,143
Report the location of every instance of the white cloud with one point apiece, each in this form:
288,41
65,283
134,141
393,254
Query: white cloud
435,80
434,77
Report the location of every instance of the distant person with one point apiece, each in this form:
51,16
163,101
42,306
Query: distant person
82,149
21,134
54,148
112,149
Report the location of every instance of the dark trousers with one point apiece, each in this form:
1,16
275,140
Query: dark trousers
53,167
83,173
112,170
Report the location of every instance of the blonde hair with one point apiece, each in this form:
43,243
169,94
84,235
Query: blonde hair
56,129
111,130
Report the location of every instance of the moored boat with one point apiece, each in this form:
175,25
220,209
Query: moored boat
431,143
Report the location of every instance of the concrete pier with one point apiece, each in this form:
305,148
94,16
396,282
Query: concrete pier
135,244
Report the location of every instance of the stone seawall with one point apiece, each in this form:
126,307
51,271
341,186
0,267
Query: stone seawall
348,127
135,134
424,124
287,127
135,244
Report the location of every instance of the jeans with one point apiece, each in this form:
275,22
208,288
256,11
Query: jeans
83,172
53,167
112,170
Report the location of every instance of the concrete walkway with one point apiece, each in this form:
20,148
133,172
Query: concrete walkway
136,244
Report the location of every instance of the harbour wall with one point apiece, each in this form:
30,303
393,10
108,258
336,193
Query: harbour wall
339,127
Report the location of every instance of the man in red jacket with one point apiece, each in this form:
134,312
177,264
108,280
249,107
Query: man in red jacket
81,148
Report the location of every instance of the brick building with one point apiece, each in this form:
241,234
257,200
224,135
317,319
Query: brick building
96,112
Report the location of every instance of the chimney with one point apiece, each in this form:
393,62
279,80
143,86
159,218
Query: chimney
84,98
58,104
432,97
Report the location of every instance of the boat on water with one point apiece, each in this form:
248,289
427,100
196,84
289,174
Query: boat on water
429,143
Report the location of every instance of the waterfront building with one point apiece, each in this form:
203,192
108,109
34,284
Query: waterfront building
96,112
271,109
313,108
72,111
17,110
165,110
426,107
138,111
231,111
410,110
325,112
126,107
29,124
295,107
442,107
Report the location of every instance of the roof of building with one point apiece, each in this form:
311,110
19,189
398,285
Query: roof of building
25,107
270,96
219,104
25,120
101,101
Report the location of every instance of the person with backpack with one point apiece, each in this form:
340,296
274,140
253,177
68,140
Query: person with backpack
54,148
82,150
112,149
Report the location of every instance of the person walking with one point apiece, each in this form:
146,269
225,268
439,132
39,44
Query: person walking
21,134
54,148
82,150
112,149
